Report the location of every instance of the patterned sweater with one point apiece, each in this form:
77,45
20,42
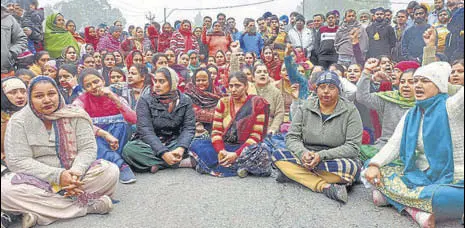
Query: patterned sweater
223,120
178,43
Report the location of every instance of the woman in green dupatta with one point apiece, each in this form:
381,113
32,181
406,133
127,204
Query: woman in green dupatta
390,105
57,37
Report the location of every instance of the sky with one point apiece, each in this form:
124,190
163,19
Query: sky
134,11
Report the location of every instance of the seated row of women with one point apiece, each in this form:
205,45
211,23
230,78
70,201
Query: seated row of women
71,159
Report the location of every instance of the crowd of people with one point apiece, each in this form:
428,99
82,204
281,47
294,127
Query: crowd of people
364,96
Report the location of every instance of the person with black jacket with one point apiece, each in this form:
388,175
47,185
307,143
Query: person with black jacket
381,35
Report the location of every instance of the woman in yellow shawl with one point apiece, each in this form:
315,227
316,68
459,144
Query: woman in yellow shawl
56,36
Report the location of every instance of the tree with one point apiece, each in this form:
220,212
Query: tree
313,7
89,12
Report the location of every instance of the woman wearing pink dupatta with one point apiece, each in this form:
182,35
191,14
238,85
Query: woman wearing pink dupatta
54,172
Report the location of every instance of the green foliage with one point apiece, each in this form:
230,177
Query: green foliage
313,7
89,12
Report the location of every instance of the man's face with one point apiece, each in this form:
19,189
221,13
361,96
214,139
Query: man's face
388,15
221,19
274,24
331,20
420,16
10,7
282,26
232,23
401,19
207,22
300,25
262,25
310,25
364,18
439,4
351,17
317,21
379,16
443,17
410,12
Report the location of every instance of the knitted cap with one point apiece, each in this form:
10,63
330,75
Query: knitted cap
329,78
438,73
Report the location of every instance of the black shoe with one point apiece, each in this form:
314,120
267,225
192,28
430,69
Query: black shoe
337,192
6,220
282,178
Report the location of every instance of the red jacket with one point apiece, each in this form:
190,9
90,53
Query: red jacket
216,42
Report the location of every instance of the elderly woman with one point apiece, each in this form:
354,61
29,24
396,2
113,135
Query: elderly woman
54,172
429,142
390,105
110,115
13,99
183,40
51,69
205,97
56,37
165,126
69,86
110,42
323,142
239,126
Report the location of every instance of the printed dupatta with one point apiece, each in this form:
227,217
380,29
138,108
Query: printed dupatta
241,125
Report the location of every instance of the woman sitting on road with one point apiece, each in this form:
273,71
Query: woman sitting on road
429,142
239,126
110,114
165,126
54,172
323,142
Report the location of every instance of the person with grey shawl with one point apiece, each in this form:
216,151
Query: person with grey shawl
343,42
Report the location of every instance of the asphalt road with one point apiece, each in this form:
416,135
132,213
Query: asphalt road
183,198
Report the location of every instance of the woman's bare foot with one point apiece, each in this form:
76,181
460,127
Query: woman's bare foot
424,219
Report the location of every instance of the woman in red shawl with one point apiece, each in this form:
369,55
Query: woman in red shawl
153,36
273,64
183,40
90,36
164,41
